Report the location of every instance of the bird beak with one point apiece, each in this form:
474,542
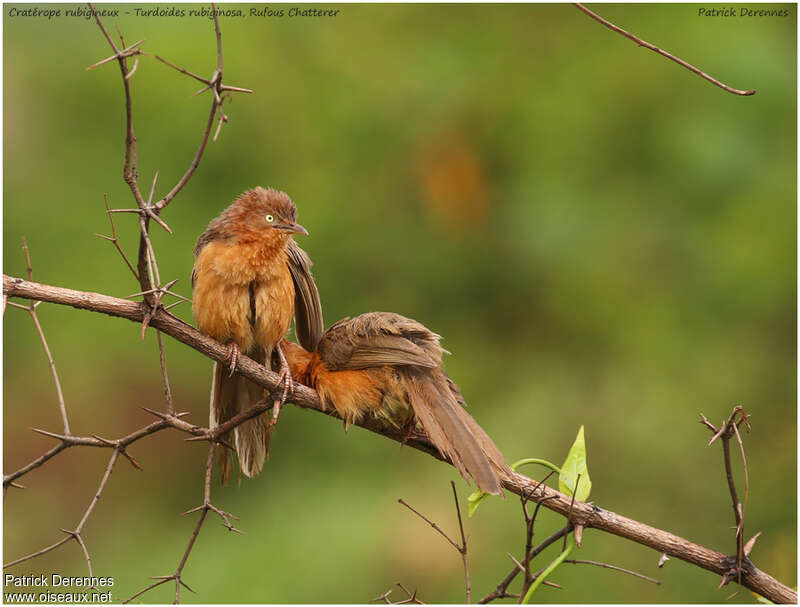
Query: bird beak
293,228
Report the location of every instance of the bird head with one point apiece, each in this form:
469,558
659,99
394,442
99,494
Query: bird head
263,214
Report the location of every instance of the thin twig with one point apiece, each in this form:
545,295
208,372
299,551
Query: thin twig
737,504
432,524
516,562
130,170
463,548
741,549
181,70
744,468
571,505
61,404
614,567
164,378
412,597
31,308
661,52
95,441
215,84
113,239
9,479
111,461
530,522
38,553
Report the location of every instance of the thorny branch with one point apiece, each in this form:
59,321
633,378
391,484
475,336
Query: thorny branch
411,597
119,447
113,239
76,533
148,209
524,567
120,444
31,309
661,52
153,290
204,509
462,547
530,522
148,274
728,430
501,591
588,515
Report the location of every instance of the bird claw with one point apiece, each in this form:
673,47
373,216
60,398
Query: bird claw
409,431
286,380
232,357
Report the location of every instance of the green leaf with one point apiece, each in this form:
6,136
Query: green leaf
475,499
575,465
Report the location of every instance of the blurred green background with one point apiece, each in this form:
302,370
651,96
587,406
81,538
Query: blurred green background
601,237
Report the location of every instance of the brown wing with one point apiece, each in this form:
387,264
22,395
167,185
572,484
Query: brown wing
212,233
378,339
307,307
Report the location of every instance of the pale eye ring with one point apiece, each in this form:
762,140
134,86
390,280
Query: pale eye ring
269,218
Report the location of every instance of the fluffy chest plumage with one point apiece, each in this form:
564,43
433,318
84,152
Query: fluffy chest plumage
243,293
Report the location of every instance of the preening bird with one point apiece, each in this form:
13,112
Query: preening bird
249,279
389,366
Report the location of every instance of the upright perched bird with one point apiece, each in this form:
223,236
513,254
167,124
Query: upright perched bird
249,279
389,366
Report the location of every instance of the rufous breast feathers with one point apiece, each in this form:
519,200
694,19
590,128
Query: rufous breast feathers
243,293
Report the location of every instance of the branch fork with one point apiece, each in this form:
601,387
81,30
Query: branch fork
225,516
120,54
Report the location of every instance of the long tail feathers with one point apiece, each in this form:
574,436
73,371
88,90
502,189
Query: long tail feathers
251,440
219,410
457,436
231,395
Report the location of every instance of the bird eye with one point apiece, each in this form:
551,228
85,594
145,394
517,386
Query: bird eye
269,218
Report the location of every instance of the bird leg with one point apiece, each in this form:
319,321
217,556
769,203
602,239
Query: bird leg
286,380
232,356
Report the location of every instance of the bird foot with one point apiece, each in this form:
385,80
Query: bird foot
232,356
286,380
409,431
